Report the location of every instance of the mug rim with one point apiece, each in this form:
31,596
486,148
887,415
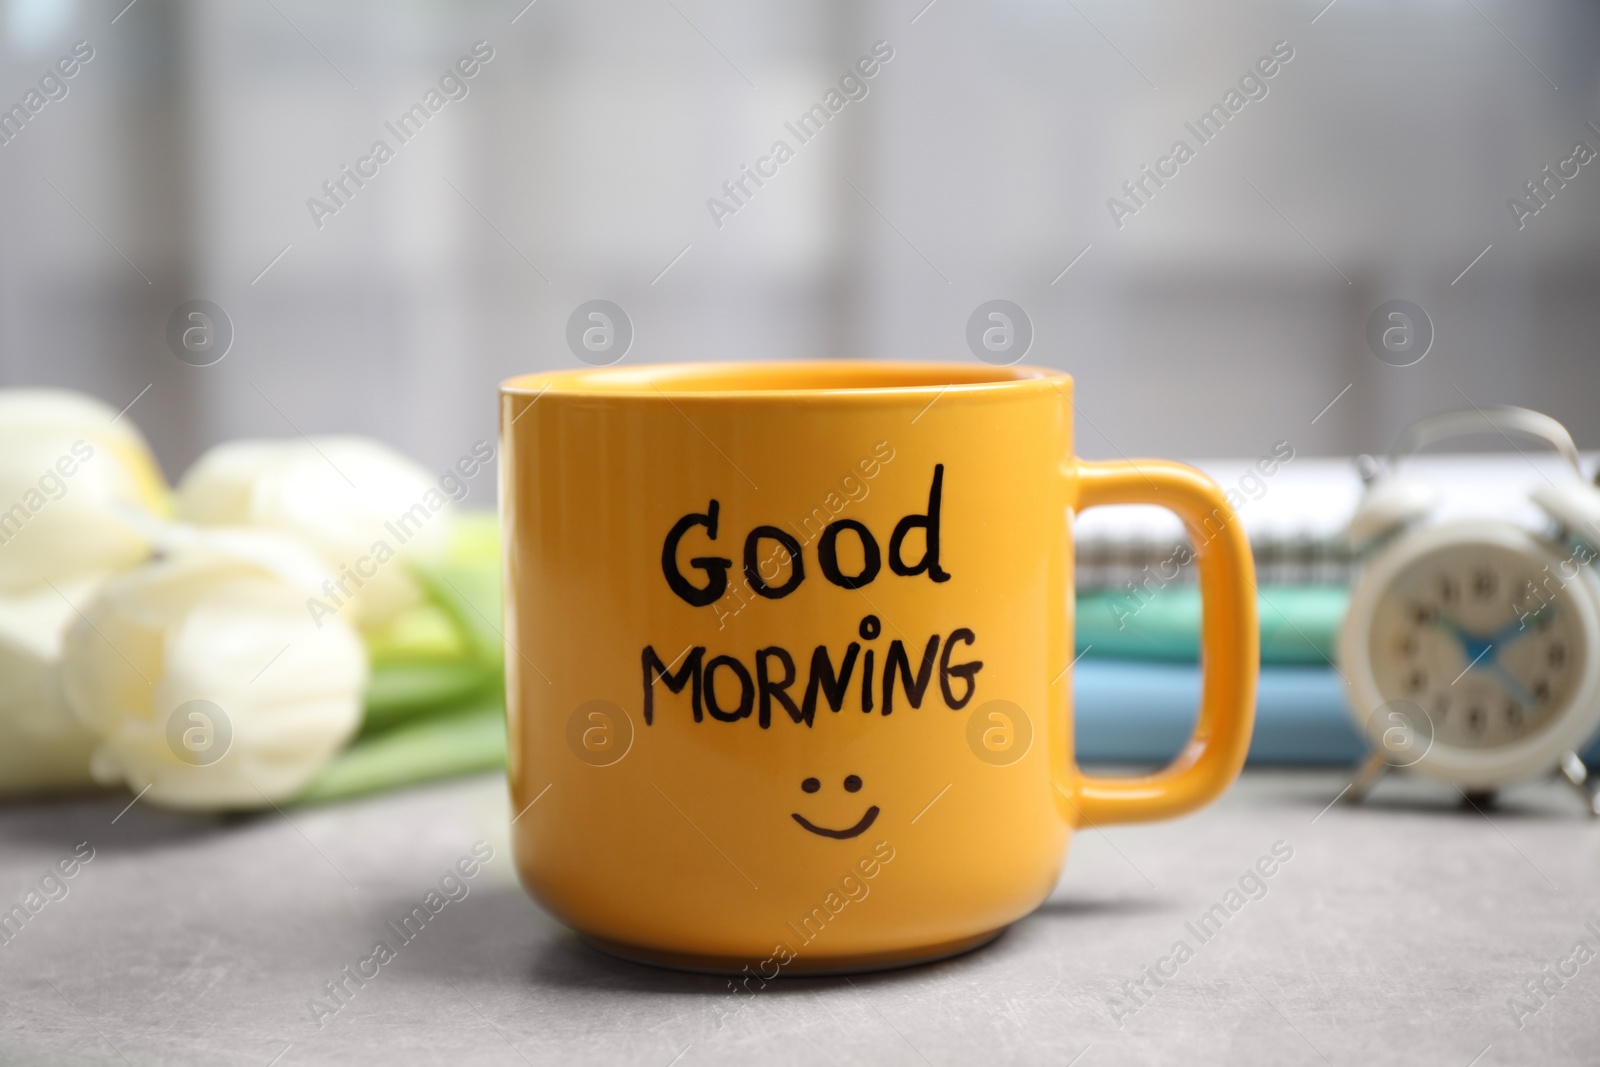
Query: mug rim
778,380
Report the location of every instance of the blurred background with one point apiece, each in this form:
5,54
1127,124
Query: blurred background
578,162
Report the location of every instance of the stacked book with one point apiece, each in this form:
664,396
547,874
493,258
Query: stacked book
1137,684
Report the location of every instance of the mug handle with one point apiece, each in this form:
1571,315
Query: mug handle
1230,646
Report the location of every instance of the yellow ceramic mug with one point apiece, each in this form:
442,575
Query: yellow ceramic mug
788,679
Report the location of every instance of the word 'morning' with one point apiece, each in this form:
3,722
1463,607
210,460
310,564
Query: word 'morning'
769,685
715,568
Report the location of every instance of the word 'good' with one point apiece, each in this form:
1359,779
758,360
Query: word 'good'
715,568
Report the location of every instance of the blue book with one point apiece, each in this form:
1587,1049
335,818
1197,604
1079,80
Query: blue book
1141,712
1138,711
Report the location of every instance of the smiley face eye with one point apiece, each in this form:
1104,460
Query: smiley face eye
811,785
852,784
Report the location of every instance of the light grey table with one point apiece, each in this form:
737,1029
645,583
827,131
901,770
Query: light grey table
1395,934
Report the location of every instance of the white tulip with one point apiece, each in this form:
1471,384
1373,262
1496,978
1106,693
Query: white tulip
42,745
78,488
203,677
362,506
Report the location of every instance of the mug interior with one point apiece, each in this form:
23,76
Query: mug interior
813,376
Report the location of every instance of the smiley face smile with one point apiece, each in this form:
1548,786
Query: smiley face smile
852,784
855,831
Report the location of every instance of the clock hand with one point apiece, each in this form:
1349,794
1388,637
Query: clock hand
1473,647
1523,625
1513,685
1479,653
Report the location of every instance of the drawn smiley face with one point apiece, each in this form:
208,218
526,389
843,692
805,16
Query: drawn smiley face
852,784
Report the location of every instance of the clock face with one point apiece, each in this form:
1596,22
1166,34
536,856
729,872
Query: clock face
1483,639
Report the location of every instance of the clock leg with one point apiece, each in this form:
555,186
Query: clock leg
1577,775
1366,776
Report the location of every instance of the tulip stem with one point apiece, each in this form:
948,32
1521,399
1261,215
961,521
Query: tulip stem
456,742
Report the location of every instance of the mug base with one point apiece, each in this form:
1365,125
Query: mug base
799,966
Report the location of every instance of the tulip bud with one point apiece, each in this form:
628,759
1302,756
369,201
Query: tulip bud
78,488
362,506
203,678
42,745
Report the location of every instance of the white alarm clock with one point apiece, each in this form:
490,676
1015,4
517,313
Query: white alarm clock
1471,648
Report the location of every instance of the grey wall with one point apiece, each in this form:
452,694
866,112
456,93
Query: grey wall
1223,316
